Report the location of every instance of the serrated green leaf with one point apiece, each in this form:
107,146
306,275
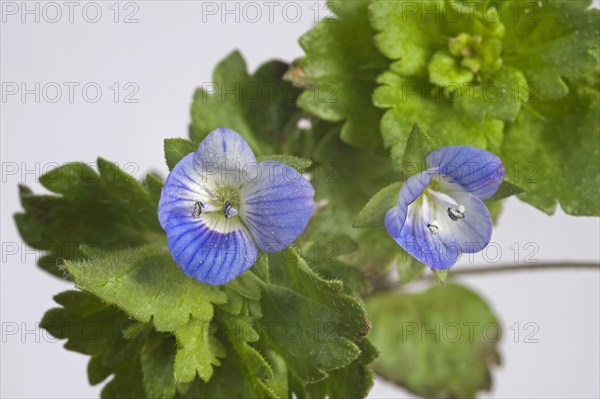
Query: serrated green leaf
439,343
198,351
261,107
326,259
147,284
297,163
111,208
176,149
94,328
414,101
550,40
309,322
341,65
373,213
551,151
354,381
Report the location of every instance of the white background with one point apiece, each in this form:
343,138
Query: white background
169,52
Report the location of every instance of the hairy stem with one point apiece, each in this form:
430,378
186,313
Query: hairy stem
523,267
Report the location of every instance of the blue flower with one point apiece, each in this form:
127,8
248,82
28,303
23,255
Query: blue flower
219,204
440,212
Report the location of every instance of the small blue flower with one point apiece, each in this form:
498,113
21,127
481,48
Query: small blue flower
440,212
218,204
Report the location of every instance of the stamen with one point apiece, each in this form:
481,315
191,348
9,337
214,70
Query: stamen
433,227
456,214
198,206
229,210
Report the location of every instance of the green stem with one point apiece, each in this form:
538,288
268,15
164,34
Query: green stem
522,268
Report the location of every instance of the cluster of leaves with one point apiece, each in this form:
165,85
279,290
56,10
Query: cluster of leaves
277,329
517,78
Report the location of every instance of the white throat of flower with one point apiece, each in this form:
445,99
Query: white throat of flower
219,210
432,201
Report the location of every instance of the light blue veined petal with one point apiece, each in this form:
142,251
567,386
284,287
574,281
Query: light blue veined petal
478,171
224,157
276,205
182,189
472,231
409,192
417,240
209,255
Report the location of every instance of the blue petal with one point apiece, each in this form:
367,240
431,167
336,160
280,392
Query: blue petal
470,233
416,239
276,205
209,248
410,191
478,171
208,255
182,189
224,157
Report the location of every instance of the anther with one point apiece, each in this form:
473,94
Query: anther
229,210
198,206
456,214
433,227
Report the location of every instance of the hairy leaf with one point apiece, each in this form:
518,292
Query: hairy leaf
340,67
439,343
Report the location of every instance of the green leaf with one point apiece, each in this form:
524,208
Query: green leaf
297,163
147,284
550,41
198,352
111,208
506,189
354,381
340,65
373,213
441,275
309,322
409,269
261,107
325,258
439,343
157,367
551,151
501,98
414,101
93,328
418,146
176,149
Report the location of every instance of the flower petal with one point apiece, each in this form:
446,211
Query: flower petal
478,171
223,157
209,248
416,239
409,192
182,189
470,233
208,254
276,205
